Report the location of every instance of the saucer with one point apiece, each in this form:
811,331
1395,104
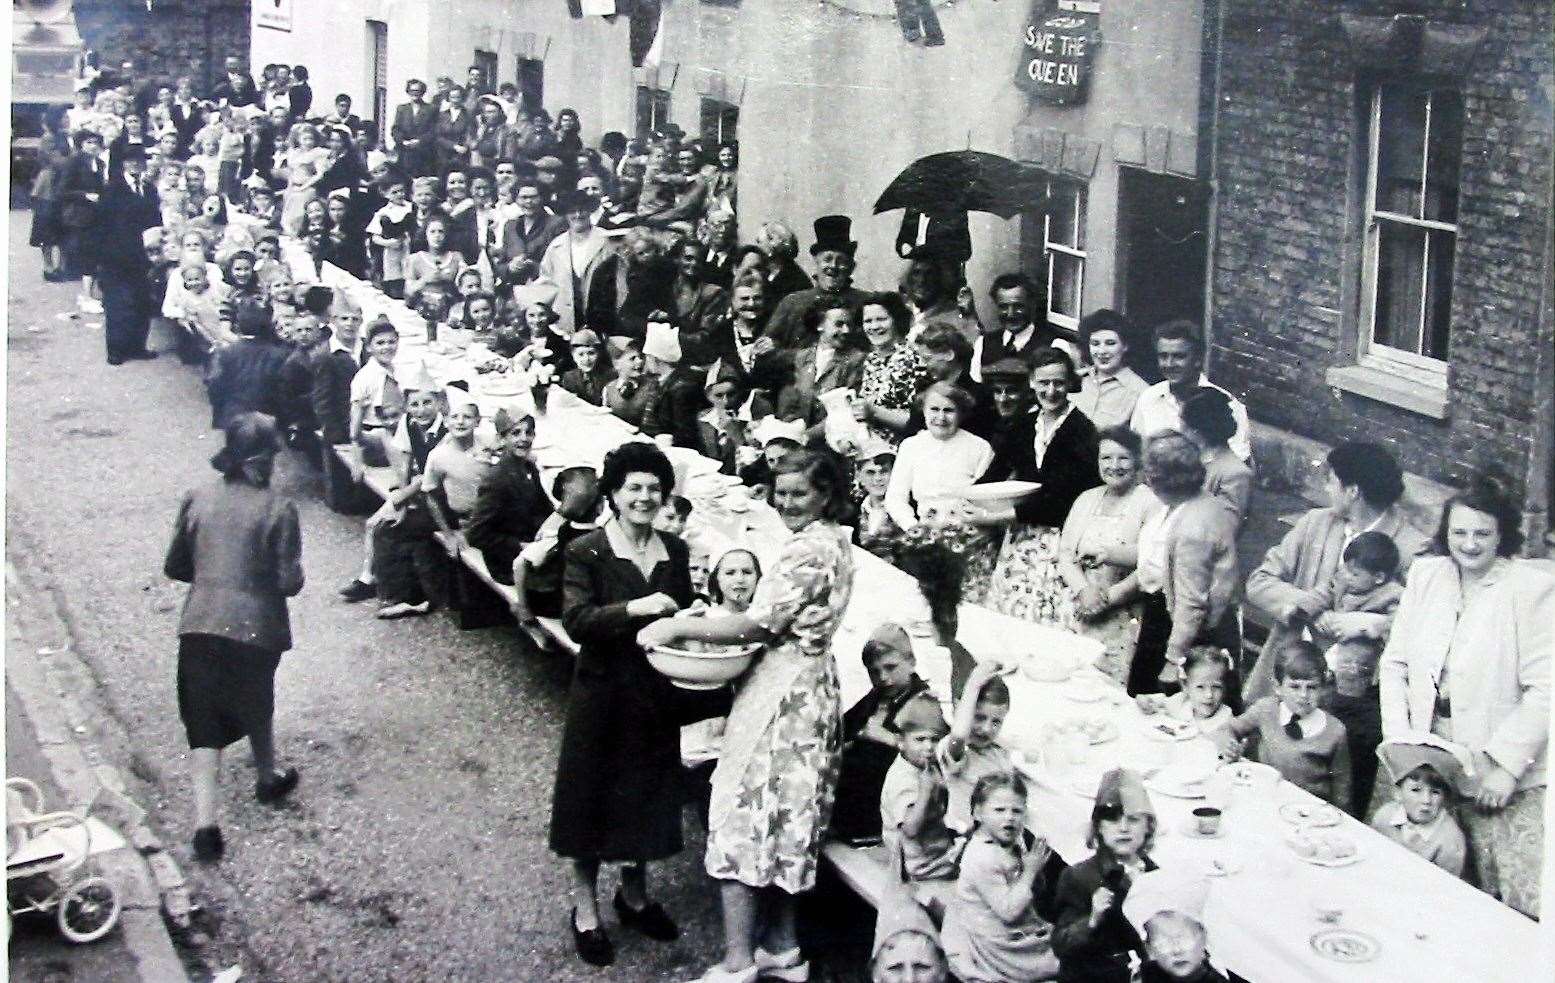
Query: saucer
1345,945
1191,830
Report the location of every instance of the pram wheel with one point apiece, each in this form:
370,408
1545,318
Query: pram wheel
88,910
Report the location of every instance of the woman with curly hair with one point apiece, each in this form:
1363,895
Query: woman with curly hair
893,374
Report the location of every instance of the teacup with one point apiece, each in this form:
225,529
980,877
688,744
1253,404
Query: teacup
1207,820
1327,911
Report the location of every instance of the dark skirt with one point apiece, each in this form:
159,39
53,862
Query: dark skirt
1155,630
618,778
46,229
226,689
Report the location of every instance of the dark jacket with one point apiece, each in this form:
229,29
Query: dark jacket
674,410
589,387
508,512
301,99
800,398
452,133
294,404
122,216
1068,467
240,549
787,325
788,279
994,348
1100,954
332,374
244,93
244,377
415,121
516,244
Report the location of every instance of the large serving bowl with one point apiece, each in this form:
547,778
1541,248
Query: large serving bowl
702,670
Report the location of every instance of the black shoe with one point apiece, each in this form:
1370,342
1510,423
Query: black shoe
273,790
208,845
594,945
115,360
144,355
357,590
651,920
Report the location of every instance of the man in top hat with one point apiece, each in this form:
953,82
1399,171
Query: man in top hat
833,252
414,131
129,207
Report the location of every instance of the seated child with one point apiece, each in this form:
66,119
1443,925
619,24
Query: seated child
1094,941
458,464
512,505
911,806
876,530
197,305
294,200
1202,697
262,207
992,932
1290,732
389,230
1426,778
377,396
1175,941
439,261
1351,633
590,373
777,440
537,570
673,515
870,732
972,749
722,431
477,315
406,562
632,391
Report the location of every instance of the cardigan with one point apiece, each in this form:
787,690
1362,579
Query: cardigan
1201,578
927,467
1068,467
1318,763
1496,652
1102,954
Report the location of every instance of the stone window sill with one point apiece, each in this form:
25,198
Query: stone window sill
1414,395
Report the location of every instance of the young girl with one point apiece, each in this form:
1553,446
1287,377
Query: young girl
1203,694
390,232
591,371
1290,732
972,750
1094,941
731,584
992,932
294,200
1427,779
439,261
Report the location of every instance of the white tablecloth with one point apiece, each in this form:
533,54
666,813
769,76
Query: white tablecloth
1430,925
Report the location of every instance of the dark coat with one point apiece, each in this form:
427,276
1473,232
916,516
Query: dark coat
676,407
122,216
245,377
517,244
415,121
244,93
331,396
1100,954
509,510
787,326
788,279
589,387
1068,468
800,398
994,348
618,775
452,134
301,100
240,549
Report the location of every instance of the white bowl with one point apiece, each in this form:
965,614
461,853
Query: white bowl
701,670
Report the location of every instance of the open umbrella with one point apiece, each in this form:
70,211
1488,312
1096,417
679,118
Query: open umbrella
962,181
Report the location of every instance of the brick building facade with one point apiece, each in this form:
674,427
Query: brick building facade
171,38
1360,152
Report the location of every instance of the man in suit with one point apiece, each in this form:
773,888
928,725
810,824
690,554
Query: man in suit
452,132
718,259
237,89
572,260
129,207
300,95
415,123
526,238
185,112
1014,334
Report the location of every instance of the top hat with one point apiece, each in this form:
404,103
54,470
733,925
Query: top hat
834,232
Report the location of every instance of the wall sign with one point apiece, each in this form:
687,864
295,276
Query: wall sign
1058,45
274,14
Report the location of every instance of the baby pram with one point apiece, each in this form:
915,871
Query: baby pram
46,856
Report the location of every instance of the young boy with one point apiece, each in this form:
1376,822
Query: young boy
377,395
673,516
537,573
1362,599
512,504
1426,777
778,440
972,750
458,464
262,206
1175,942
914,797
876,529
590,373
870,732
1291,733
405,561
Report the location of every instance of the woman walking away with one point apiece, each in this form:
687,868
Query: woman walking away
238,546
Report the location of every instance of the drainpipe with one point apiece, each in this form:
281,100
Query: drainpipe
1537,487
1208,145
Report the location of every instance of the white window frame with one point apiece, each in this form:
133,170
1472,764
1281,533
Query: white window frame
1419,368
1050,246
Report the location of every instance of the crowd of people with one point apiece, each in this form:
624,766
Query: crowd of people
619,273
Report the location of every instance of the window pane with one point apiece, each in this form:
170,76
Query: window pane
1400,150
644,111
1400,266
1444,153
1061,219
1438,290
1079,217
1067,280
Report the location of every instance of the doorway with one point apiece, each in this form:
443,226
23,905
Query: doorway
1161,252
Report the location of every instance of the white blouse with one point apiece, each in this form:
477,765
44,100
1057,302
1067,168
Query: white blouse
928,468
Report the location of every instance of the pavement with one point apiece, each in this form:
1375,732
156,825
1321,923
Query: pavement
415,848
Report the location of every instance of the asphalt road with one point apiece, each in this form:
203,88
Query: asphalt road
415,849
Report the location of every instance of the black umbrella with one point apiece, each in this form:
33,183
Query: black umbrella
962,181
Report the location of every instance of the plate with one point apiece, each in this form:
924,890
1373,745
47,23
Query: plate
1345,945
1087,691
1311,815
1170,729
1178,790
1324,849
1191,830
998,491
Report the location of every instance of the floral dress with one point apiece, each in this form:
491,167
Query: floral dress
892,378
775,781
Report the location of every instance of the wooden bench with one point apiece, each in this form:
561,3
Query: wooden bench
866,870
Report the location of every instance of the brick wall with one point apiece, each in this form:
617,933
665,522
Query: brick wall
176,37
1285,276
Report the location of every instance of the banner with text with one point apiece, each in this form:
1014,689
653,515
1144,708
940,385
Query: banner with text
1057,48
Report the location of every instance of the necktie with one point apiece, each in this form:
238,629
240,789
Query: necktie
1293,727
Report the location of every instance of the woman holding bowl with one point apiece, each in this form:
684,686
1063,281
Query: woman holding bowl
618,775
1099,549
773,787
1055,447
1468,659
